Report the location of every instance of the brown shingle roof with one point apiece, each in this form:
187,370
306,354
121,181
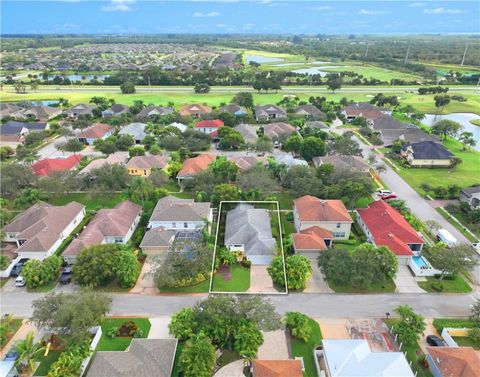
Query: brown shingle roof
157,237
456,361
97,131
115,222
277,368
147,162
246,162
310,208
279,129
171,208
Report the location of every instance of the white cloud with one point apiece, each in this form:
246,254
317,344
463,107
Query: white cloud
209,14
417,4
118,6
442,11
372,12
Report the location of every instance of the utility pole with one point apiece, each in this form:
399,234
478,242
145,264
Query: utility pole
406,55
366,51
149,87
464,54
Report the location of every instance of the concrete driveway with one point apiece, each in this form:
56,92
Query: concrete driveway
260,280
274,347
145,283
406,282
159,328
333,328
317,283
234,369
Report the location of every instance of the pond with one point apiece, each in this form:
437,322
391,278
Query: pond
316,70
49,102
462,118
261,59
300,63
80,77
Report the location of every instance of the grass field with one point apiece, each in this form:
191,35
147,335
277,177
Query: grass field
457,285
176,362
464,175
91,202
371,71
120,343
198,288
46,362
305,349
220,95
459,227
476,122
386,287
239,281
464,341
14,326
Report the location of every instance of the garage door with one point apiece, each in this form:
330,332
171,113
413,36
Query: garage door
260,259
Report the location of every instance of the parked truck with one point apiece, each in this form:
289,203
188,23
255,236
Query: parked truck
446,237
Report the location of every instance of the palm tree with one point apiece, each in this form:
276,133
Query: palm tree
380,168
27,352
140,188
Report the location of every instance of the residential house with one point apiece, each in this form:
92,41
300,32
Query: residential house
116,109
97,131
317,124
42,113
117,158
194,165
40,230
453,361
354,358
383,225
143,165
352,163
249,132
427,154
209,127
311,240
471,195
157,241
13,133
135,130
246,162
234,109
195,110
330,215
108,226
386,122
47,166
268,112
153,112
364,110
249,230
309,111
278,131
182,127
82,109
277,368
409,135
173,213
288,160
7,109
143,358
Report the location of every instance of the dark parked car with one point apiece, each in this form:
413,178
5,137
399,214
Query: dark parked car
18,267
66,276
11,355
435,341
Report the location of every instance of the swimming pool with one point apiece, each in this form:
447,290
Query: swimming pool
420,262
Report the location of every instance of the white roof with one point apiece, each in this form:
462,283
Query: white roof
180,126
354,358
289,160
6,367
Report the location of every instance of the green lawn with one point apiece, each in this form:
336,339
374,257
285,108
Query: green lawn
386,287
466,174
370,71
363,202
44,288
440,323
459,227
465,341
184,195
198,288
476,122
176,362
456,285
239,282
46,362
455,210
288,227
91,201
305,349
285,200
120,343
228,357
14,326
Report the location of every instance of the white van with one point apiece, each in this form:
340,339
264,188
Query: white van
446,237
384,192
20,281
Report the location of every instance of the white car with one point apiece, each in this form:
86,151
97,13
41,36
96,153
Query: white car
20,281
384,192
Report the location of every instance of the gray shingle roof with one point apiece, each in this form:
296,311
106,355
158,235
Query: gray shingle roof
248,131
13,127
342,162
251,227
429,150
144,358
171,208
157,237
411,135
136,130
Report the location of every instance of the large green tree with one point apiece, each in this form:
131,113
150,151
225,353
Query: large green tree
410,326
96,266
446,127
451,261
298,270
312,147
198,356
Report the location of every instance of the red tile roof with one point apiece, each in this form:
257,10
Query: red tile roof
456,361
312,238
195,165
97,131
310,208
277,368
215,123
389,228
49,165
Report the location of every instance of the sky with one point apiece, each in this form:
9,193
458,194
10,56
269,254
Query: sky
237,16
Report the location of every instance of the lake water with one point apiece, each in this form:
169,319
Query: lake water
79,77
39,103
261,59
304,63
316,70
462,118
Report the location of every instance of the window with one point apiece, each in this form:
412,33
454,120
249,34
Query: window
118,239
174,225
338,234
185,225
339,225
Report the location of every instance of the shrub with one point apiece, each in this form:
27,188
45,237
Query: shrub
289,216
226,257
112,332
4,262
246,263
299,325
437,286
